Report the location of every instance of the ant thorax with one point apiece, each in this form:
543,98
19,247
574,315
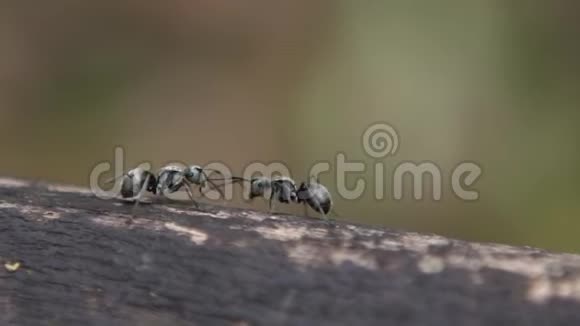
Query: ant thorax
284,190
171,169
170,179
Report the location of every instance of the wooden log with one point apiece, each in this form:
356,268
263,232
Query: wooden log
69,258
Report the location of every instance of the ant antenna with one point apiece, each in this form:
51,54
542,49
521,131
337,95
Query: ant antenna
114,179
207,178
189,193
211,171
239,180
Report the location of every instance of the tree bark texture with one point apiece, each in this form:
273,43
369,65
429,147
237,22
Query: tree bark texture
69,258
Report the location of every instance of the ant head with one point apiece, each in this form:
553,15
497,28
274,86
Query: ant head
303,193
260,182
294,197
258,186
194,174
193,169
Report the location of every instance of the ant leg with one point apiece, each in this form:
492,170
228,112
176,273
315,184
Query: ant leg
211,171
271,205
190,194
321,211
137,198
217,188
334,213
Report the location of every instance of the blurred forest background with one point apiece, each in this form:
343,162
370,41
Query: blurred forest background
495,82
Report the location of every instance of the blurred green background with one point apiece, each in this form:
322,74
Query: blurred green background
495,82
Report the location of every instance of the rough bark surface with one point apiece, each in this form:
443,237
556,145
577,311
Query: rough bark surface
82,262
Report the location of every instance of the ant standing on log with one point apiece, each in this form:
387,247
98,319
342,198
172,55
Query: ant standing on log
281,189
170,179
